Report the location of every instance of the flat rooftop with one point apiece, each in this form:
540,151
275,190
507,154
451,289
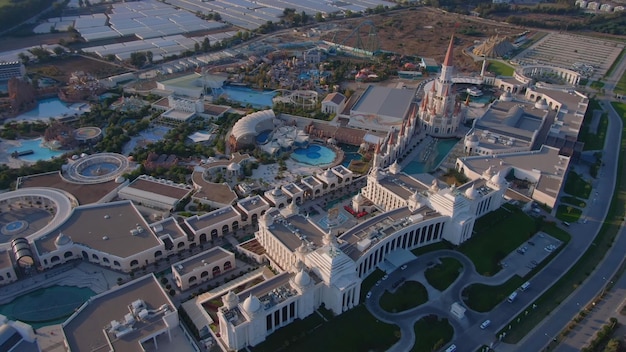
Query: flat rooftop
169,227
84,194
215,192
384,101
252,203
105,227
293,230
147,187
210,256
545,162
519,121
402,185
381,226
215,217
87,329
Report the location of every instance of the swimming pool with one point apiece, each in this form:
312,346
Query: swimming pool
46,306
46,108
263,137
350,152
443,148
250,96
40,153
314,155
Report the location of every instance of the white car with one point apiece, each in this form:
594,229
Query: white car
369,294
385,277
403,267
485,324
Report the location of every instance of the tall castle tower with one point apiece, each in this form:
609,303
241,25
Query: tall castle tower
439,112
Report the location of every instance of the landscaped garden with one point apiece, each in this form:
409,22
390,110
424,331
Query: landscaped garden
483,298
573,201
354,330
499,68
409,294
442,275
568,213
431,334
577,186
497,234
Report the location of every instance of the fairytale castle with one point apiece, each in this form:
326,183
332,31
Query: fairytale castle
440,113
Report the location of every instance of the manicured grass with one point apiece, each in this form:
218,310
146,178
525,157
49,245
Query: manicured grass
499,68
594,140
443,275
489,244
431,334
568,213
597,85
589,260
483,298
620,87
370,281
432,247
409,295
354,330
573,201
577,186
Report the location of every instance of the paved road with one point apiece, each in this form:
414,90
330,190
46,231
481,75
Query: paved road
582,237
439,303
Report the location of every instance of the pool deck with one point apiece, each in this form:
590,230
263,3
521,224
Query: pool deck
5,155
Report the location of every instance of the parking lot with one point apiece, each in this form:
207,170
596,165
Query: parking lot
530,254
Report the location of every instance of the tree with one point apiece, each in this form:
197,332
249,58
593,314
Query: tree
206,44
196,47
217,17
24,58
319,17
58,50
149,56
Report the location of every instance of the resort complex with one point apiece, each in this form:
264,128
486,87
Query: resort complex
232,185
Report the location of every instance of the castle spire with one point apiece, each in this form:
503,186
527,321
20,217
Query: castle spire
445,93
467,100
448,59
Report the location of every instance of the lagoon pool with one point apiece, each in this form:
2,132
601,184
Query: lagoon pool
46,306
46,108
250,96
40,152
314,155
443,148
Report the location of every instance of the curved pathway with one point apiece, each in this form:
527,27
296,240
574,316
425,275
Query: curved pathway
438,302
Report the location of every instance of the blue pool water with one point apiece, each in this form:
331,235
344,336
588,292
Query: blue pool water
46,306
46,108
350,152
262,137
41,153
443,147
253,97
314,155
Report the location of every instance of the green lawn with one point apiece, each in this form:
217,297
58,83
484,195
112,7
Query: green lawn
614,64
431,334
409,295
432,247
589,260
443,275
620,87
370,281
594,140
497,234
597,85
573,201
568,213
483,298
577,186
499,68
354,330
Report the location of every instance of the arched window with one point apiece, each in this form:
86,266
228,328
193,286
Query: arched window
95,257
134,262
105,259
216,271
192,279
54,259
158,254
224,229
116,263
68,254
180,245
203,238
227,266
204,274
